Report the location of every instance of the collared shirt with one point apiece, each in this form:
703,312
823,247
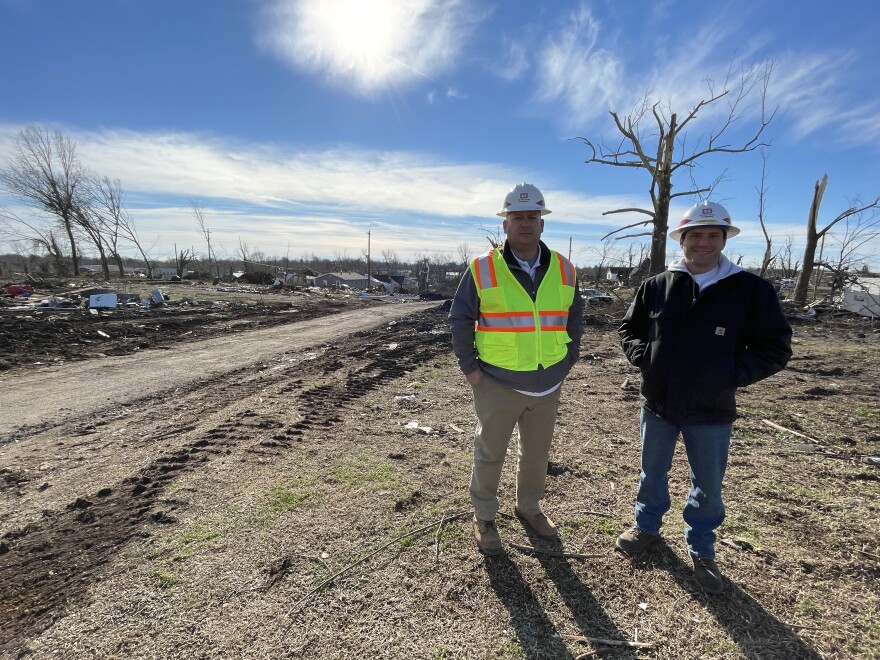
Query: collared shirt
529,267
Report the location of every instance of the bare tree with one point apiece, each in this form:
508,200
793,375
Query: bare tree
664,152
244,253
108,207
181,260
35,235
768,242
814,234
391,260
853,234
464,254
494,235
206,232
788,266
89,224
128,231
44,170
607,254
440,263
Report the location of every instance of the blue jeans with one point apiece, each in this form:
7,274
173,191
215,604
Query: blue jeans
707,446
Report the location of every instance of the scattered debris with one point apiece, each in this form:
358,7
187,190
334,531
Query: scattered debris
782,428
863,303
414,426
103,301
24,290
608,642
742,546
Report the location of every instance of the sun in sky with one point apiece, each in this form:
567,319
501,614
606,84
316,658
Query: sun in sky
367,46
360,30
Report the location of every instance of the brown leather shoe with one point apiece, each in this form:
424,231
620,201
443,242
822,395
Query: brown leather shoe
486,535
707,575
541,524
634,540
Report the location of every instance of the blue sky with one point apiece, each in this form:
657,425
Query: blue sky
299,125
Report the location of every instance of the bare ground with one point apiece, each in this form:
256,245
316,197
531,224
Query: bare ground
273,511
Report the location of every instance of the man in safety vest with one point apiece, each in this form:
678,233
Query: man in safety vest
697,332
516,320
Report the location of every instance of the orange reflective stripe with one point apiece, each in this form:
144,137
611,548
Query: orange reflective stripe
554,320
506,322
566,270
485,270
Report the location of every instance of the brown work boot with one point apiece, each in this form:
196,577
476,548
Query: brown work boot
707,575
634,540
541,524
486,535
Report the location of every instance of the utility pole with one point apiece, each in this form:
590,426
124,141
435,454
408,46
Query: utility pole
369,274
569,248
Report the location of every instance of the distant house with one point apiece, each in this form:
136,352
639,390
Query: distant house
618,275
385,282
165,273
299,276
341,280
406,282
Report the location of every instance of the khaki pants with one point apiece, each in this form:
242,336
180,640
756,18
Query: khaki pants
499,409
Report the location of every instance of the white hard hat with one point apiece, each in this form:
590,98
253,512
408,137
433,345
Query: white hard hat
523,197
704,214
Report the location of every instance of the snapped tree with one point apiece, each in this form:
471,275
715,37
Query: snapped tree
665,150
814,235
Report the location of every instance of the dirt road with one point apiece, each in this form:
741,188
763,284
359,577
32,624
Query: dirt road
48,396
269,495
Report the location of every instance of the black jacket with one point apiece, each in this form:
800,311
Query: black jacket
695,348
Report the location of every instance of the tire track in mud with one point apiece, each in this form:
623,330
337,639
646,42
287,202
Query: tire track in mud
48,565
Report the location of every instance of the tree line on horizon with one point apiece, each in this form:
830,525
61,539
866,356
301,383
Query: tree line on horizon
81,211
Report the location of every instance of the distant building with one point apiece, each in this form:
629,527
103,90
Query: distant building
386,283
618,275
342,280
299,276
165,273
406,282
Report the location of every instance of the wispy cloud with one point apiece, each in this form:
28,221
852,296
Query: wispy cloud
367,46
575,72
587,70
815,92
319,198
513,61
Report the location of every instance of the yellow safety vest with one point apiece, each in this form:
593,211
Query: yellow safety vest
513,331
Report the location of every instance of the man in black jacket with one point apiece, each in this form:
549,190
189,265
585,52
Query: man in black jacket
697,332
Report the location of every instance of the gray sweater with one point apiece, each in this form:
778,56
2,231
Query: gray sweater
465,311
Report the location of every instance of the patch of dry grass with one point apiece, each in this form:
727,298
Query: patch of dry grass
799,548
